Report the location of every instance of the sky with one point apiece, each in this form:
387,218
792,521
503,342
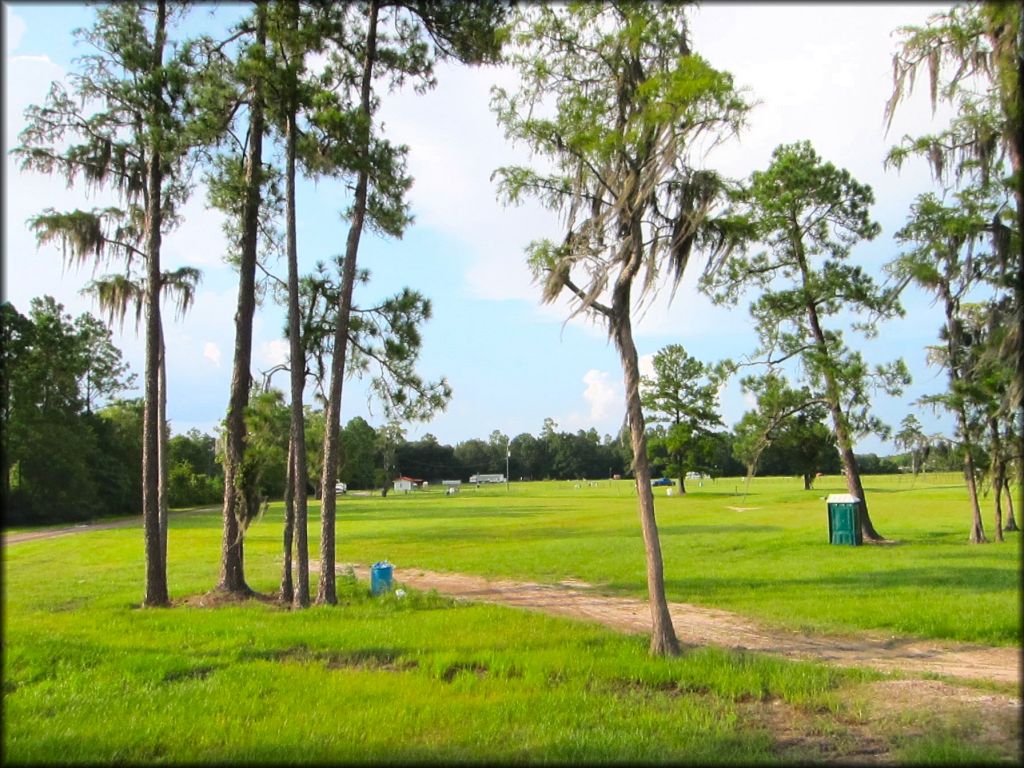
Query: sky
821,72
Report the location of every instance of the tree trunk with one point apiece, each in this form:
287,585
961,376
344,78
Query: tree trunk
663,635
998,475
808,482
152,427
326,589
164,449
953,344
297,467
1016,134
843,441
977,528
232,566
287,593
682,483
1011,522
997,489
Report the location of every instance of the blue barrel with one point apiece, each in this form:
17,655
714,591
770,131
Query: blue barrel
380,577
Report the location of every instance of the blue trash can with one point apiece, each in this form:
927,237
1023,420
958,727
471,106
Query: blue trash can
380,577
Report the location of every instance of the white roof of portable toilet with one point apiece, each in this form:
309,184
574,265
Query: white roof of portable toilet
842,498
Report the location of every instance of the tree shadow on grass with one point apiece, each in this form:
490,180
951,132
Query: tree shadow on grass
449,532
465,513
969,581
683,529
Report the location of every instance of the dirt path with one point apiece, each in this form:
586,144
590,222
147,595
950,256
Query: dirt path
120,522
696,625
17,538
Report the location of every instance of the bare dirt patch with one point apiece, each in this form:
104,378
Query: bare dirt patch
873,721
697,625
217,598
901,711
805,737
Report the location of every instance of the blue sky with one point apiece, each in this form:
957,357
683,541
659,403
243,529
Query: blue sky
820,71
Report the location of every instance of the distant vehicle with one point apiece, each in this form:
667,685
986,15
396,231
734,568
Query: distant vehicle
340,488
487,479
662,481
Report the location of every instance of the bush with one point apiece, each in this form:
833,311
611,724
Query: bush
188,488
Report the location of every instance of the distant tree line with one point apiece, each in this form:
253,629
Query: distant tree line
71,448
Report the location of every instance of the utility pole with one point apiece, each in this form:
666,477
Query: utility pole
508,455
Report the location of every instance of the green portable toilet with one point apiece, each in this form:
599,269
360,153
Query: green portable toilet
844,519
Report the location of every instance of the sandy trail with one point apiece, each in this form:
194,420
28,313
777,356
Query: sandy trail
120,522
697,625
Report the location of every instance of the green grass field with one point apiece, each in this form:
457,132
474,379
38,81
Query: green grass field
90,677
769,558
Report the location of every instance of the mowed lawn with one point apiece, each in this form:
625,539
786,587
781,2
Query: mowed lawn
764,553
91,677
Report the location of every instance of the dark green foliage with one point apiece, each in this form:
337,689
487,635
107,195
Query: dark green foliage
60,458
872,464
784,434
118,456
531,457
721,459
804,447
194,476
370,456
360,462
267,422
682,399
426,458
473,456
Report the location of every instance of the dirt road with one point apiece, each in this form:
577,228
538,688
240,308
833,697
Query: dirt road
120,522
124,522
696,625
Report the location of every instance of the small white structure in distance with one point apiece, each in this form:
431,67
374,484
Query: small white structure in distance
477,479
340,488
406,484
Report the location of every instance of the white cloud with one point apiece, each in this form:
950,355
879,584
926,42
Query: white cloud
452,161
212,352
646,364
200,240
14,29
271,353
601,394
